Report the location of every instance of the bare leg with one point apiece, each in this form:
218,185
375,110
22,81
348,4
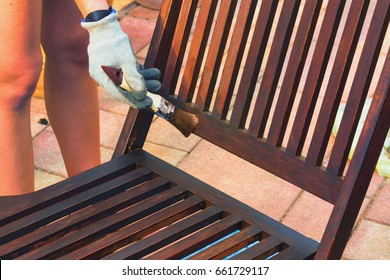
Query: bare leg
20,65
70,94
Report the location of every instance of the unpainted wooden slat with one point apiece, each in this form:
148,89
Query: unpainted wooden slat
300,49
315,76
360,87
179,44
100,228
167,235
275,62
197,49
228,246
337,81
198,240
234,58
262,250
215,54
95,212
253,63
139,229
67,206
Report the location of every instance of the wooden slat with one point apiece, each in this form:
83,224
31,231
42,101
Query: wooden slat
302,42
292,253
262,250
71,204
230,245
91,214
234,58
303,176
274,67
139,229
315,76
197,49
198,240
359,174
360,86
167,235
253,63
100,228
215,54
179,44
337,81
12,208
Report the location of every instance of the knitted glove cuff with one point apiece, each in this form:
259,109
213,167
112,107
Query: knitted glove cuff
105,29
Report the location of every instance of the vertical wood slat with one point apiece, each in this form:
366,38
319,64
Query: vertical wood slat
197,49
179,44
315,76
294,71
360,86
362,166
274,67
137,122
253,63
215,54
337,81
234,58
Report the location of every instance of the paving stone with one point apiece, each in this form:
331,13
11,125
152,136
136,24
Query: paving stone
240,179
139,30
36,126
370,241
44,179
47,154
110,128
165,134
144,13
167,154
106,154
309,215
379,210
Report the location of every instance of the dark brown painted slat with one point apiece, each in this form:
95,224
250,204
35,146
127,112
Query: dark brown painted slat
360,171
198,240
12,208
268,157
234,58
168,235
253,63
302,42
315,76
262,250
360,86
102,227
292,253
74,203
96,212
139,229
337,81
230,245
215,54
274,67
179,44
197,49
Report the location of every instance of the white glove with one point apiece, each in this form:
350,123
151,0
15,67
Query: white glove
110,46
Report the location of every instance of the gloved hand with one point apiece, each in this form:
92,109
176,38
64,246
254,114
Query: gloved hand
151,76
110,46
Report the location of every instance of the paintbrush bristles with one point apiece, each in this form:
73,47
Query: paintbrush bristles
185,122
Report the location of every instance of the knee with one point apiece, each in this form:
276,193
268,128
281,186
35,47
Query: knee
19,76
71,50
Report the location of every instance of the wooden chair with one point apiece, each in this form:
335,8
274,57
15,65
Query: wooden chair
138,207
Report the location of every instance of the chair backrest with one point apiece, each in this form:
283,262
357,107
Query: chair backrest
267,78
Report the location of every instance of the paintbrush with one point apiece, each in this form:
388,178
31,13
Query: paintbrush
183,121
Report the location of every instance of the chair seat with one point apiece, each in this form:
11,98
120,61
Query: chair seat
139,207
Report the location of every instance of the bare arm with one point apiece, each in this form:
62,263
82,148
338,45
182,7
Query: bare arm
87,6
